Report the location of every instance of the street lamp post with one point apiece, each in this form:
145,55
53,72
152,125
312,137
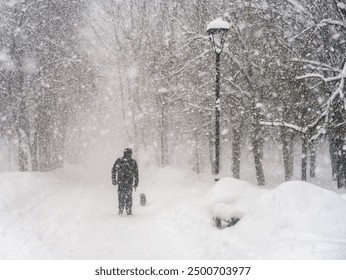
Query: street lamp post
162,100
217,30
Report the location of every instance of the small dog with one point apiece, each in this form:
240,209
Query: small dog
143,199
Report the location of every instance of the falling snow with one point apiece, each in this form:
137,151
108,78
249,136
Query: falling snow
82,80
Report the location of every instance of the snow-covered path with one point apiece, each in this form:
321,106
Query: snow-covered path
72,214
55,219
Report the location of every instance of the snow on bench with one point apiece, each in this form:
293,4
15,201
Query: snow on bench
229,200
227,213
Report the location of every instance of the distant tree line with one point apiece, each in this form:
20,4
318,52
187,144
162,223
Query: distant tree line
282,76
283,71
45,80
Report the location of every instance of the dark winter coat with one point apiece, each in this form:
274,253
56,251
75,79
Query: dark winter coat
125,173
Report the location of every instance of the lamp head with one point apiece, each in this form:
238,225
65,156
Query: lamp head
217,30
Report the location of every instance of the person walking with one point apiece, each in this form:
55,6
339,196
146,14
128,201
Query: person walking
125,175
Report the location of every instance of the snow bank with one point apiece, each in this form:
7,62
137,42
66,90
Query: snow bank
303,206
296,220
297,207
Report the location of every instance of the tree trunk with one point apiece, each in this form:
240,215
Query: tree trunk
165,159
9,154
236,152
341,159
58,146
45,154
257,146
137,99
312,153
337,138
211,149
22,156
161,100
123,104
44,132
34,152
333,157
342,172
196,153
257,135
304,157
287,152
23,146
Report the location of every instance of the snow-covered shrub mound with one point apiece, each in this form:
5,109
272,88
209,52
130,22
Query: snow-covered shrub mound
231,198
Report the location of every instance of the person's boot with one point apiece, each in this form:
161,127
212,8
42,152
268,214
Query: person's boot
129,211
120,212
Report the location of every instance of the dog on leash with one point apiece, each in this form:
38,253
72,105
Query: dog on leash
143,199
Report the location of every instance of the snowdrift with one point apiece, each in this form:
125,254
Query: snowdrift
296,220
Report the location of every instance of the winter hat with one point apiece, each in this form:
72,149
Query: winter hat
127,152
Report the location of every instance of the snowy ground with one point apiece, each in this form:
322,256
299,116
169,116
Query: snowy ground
70,214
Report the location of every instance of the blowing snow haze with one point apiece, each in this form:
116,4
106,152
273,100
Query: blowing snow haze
82,80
